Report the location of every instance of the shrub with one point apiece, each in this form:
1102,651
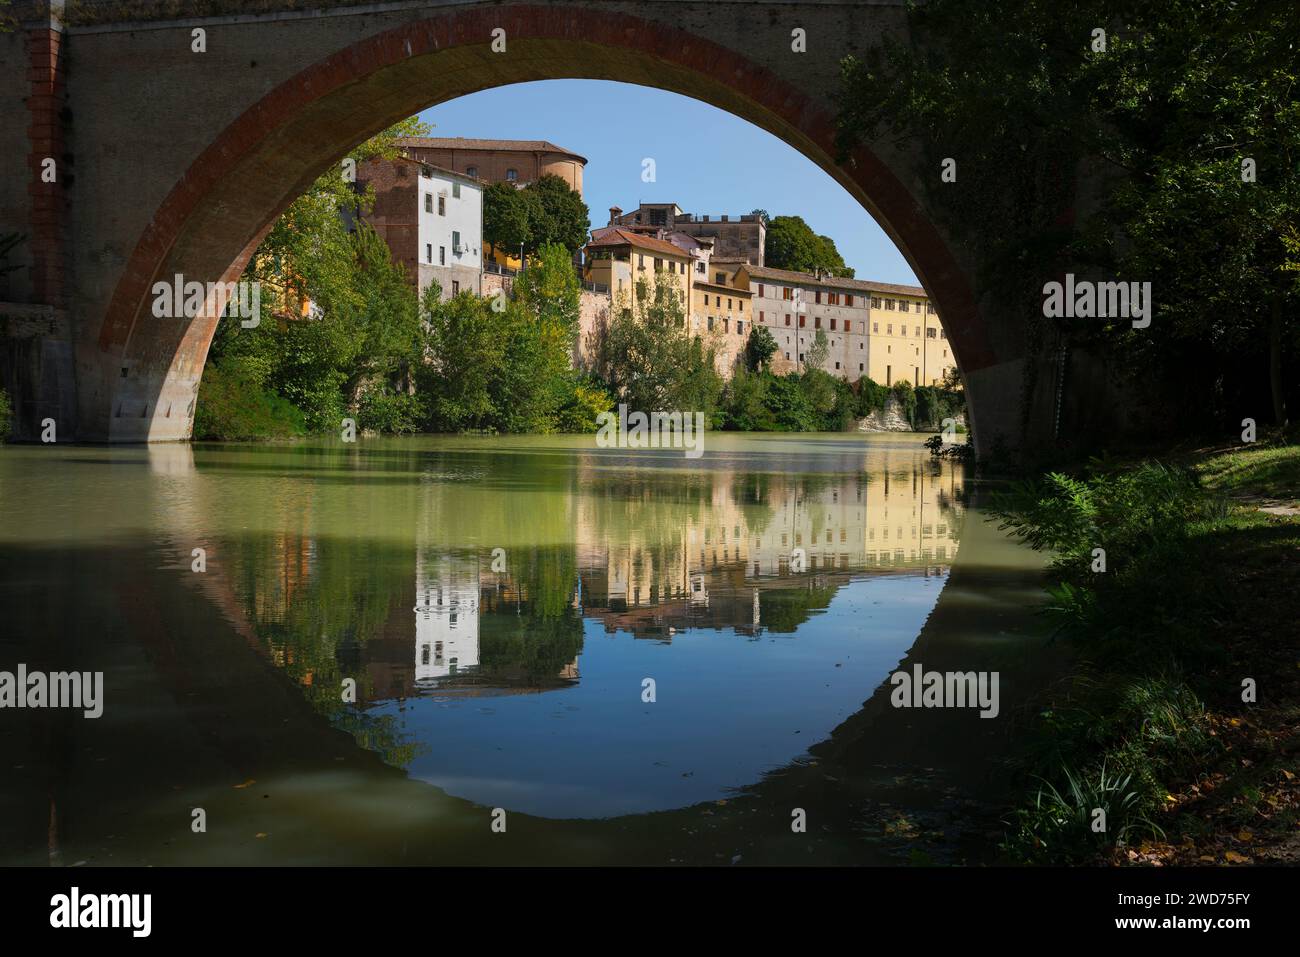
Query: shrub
389,411
578,413
6,415
231,407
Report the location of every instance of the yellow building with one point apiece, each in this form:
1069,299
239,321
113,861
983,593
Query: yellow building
721,311
620,259
886,331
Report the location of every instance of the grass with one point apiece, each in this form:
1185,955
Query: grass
1156,726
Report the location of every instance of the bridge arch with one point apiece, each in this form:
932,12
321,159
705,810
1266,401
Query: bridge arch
212,219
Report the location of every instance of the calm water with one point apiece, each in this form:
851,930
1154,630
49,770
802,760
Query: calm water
503,607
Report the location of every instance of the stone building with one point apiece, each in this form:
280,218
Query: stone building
497,161
432,220
883,330
743,237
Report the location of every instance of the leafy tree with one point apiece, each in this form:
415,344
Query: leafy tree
507,219
762,215
654,363
559,217
759,348
791,244
1183,93
466,345
815,357
545,212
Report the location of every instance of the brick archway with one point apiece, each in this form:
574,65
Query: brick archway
212,220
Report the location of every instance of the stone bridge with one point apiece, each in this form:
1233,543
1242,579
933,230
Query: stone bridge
169,161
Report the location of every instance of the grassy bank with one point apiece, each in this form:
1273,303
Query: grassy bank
1176,585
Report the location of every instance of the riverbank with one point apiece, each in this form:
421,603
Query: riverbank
1174,739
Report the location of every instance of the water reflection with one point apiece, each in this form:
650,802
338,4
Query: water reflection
499,612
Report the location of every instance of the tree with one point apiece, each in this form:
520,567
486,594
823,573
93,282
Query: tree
791,244
816,355
507,219
762,215
1165,118
545,212
653,362
759,348
560,217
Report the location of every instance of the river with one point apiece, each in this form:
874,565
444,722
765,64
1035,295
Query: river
505,650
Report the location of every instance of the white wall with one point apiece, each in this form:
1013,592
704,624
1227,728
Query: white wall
464,214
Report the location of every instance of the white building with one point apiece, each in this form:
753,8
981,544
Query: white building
450,231
446,616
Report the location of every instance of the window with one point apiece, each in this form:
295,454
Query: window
837,365
740,328
659,264
875,327
760,315
442,205
859,366
889,375
471,171
817,296
740,306
848,299
802,321
875,302
890,329
929,308
699,268
942,334
455,242
760,292
787,318
442,255
720,278
848,326
929,332
817,322
832,323
889,304
455,288
512,175
786,292
428,202
728,302
918,331
640,260
710,323
455,190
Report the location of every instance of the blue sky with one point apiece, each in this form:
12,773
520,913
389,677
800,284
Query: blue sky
707,160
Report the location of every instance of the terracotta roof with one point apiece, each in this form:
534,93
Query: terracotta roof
464,143
860,285
618,236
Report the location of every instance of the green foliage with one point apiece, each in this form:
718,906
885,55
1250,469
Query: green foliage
1014,91
363,330
791,244
759,348
508,371
543,213
871,396
6,415
653,362
580,409
390,411
233,406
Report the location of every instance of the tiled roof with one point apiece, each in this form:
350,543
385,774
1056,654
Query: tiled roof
618,236
464,143
835,282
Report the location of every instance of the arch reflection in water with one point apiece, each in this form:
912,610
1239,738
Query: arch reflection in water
766,597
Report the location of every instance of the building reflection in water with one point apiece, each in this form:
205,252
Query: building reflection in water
740,553
446,615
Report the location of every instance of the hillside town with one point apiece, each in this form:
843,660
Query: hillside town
429,209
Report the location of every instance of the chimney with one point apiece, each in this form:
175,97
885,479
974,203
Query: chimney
614,213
